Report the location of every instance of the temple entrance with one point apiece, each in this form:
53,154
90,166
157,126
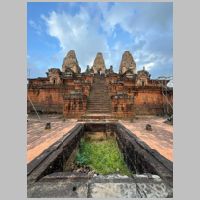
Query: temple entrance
99,72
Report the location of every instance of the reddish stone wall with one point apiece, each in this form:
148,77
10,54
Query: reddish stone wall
74,107
148,101
48,98
123,107
127,98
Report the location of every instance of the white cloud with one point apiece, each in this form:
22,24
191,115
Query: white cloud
148,66
136,17
148,26
78,33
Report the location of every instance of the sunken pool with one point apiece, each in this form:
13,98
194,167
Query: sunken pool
92,152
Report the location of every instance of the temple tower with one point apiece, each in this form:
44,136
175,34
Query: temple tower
127,63
99,64
70,62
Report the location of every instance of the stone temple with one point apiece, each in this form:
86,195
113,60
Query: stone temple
99,90
98,106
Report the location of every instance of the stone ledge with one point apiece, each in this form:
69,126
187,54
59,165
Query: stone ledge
115,186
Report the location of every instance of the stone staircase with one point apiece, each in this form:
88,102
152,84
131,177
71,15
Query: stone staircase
99,100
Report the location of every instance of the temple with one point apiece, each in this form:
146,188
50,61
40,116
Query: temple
99,90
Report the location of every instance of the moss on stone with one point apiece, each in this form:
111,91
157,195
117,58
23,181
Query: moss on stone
102,156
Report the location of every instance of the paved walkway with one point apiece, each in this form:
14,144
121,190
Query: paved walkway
39,139
160,138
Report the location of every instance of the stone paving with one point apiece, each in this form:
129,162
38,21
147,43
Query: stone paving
39,139
107,186
160,138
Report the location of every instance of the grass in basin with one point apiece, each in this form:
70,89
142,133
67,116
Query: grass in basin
102,156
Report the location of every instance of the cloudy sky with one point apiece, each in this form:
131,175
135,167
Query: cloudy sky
145,29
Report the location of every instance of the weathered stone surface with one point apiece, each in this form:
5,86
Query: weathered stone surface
127,63
154,190
71,62
143,77
54,75
99,64
54,189
99,100
100,187
127,93
58,183
113,190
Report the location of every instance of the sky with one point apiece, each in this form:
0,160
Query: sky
144,29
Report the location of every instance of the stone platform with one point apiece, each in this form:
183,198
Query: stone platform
108,186
160,138
39,139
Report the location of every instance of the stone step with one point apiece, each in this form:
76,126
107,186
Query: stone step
99,108
97,111
98,117
99,100
99,103
100,95
102,99
92,92
98,91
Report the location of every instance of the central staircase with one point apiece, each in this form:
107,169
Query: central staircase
99,100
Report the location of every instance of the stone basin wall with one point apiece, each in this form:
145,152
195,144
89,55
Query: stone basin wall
138,156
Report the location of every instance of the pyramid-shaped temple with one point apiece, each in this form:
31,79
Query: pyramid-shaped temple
99,90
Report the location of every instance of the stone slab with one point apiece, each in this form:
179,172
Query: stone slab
58,189
154,190
113,190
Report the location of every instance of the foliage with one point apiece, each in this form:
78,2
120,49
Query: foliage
102,156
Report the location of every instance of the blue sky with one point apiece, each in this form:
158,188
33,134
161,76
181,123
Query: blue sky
145,29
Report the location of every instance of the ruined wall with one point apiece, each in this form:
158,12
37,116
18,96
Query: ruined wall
49,98
74,105
45,100
130,98
122,106
148,102
130,93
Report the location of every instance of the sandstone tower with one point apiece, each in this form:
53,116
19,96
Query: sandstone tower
127,63
99,64
70,62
